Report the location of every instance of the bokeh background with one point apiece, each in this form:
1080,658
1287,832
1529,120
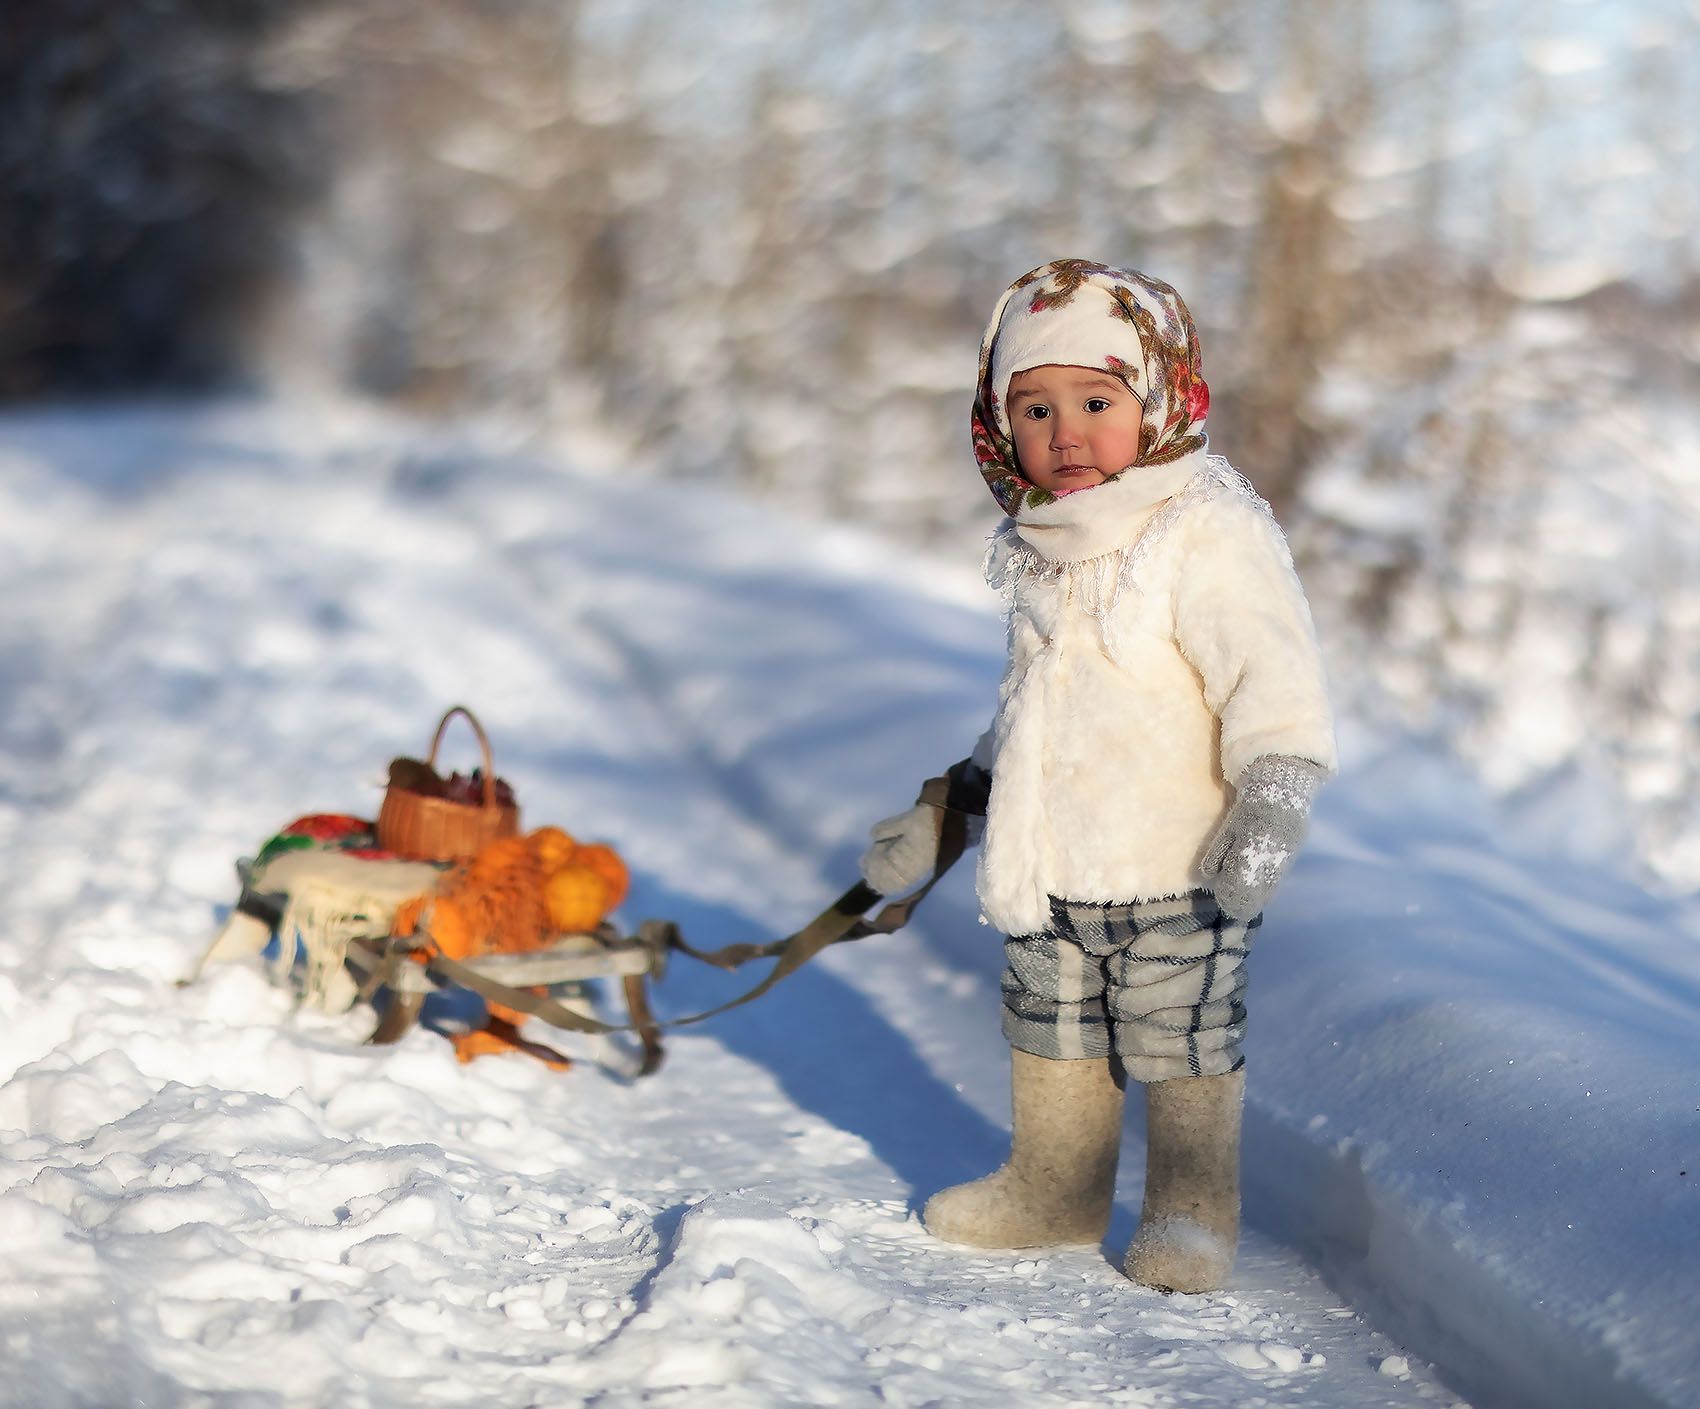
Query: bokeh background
1444,255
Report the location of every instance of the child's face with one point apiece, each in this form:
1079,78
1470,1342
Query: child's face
1074,427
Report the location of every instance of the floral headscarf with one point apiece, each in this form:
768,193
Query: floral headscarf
1072,312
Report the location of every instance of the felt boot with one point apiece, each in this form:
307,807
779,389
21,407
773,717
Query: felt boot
1057,1185
1190,1224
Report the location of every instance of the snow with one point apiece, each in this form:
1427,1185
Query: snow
1472,1115
1532,604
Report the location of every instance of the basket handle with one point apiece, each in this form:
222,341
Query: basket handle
483,744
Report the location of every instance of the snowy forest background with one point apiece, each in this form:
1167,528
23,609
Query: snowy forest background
1443,254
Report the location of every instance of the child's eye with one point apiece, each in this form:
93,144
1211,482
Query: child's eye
1097,404
1037,413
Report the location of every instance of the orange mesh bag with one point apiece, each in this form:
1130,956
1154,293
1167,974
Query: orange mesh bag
491,904
516,893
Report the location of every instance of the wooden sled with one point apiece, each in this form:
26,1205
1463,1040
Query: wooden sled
572,958
366,966
366,961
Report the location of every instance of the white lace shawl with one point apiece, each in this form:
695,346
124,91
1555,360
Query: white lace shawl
1097,584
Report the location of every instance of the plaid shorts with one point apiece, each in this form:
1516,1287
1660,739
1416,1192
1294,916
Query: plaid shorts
1161,982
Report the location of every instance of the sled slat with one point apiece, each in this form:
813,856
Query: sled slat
576,957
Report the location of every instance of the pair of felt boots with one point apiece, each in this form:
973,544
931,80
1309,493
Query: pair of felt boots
1059,1180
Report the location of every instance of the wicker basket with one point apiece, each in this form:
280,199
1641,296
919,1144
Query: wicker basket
414,823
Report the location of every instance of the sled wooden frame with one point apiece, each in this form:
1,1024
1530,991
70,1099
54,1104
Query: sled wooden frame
514,978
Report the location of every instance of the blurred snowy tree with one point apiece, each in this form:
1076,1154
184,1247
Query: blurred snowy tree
149,169
756,239
1523,578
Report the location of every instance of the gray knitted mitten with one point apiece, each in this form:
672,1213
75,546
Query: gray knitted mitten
906,846
1260,836
904,849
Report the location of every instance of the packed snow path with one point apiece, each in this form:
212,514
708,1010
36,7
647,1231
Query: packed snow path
213,622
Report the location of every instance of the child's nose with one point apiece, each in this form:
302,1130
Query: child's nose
1065,435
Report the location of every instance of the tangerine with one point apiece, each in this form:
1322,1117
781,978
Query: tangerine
452,927
503,854
605,862
552,847
578,898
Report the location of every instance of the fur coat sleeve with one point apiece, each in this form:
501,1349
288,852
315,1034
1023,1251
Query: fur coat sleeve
1242,622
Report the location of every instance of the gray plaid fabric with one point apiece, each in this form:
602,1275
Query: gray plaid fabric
1159,981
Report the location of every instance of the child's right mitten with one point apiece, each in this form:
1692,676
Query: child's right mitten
906,847
1262,832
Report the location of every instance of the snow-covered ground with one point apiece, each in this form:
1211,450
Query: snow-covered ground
1474,1105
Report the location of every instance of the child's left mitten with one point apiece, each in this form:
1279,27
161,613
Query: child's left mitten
1262,832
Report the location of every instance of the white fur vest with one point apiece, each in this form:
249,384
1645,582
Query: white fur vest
1158,642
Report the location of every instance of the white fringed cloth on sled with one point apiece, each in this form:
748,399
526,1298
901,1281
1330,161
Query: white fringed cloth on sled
331,898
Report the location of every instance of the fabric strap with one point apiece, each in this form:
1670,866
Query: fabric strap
840,921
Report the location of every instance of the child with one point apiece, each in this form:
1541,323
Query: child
1161,729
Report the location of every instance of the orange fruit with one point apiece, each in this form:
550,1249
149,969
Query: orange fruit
552,847
605,862
503,854
451,927
578,898
407,916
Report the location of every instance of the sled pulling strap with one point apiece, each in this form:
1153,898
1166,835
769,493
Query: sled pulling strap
842,920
